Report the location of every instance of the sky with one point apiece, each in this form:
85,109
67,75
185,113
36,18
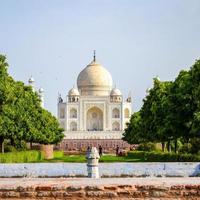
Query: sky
135,40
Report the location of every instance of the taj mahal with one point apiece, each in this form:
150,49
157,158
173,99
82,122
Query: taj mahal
95,113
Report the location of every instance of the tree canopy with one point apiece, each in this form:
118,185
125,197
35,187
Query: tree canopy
170,111
21,114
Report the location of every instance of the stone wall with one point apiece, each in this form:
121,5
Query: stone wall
107,191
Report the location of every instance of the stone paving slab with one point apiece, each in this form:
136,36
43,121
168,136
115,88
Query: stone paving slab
7,182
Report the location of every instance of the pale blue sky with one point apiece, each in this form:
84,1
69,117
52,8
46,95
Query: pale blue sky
134,39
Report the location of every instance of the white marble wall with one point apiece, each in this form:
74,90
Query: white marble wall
83,105
105,169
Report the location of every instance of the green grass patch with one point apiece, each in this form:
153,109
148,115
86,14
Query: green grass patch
109,158
68,158
113,158
58,154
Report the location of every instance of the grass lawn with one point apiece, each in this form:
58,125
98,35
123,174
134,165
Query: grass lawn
60,157
36,157
134,156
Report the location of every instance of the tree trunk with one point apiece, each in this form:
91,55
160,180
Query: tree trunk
187,141
12,142
163,147
169,146
31,145
175,146
1,145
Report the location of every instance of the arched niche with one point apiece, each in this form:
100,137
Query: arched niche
116,126
73,113
73,126
94,119
115,113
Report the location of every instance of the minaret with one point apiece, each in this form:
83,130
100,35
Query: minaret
129,99
60,100
41,95
94,56
31,83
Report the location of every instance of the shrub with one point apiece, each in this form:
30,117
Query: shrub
21,157
163,157
146,147
9,148
186,148
195,143
135,154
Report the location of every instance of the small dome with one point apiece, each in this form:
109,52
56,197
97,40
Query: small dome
157,78
73,92
41,90
115,92
31,80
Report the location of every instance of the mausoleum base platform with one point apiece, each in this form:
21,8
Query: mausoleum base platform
82,144
80,140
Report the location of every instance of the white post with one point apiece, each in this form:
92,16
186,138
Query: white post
92,163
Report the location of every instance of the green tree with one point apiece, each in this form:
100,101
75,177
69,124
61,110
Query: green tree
154,112
3,81
195,77
21,115
171,111
133,131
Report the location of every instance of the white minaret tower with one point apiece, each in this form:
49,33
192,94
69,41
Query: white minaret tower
41,95
31,82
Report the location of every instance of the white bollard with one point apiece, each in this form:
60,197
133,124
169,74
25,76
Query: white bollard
92,163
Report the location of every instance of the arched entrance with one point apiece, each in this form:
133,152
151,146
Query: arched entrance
94,119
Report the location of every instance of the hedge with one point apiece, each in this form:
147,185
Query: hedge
21,157
163,157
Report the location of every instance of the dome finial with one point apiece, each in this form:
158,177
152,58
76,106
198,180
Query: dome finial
94,56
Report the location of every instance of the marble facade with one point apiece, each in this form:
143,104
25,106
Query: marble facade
94,110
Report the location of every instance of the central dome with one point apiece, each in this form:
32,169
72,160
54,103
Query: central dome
94,80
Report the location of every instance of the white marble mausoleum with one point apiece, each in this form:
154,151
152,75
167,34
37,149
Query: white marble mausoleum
93,113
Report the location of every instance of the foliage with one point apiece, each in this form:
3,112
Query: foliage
21,114
186,148
163,157
21,157
170,113
153,112
149,146
195,144
133,132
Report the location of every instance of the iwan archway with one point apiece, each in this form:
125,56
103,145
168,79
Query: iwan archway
94,119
